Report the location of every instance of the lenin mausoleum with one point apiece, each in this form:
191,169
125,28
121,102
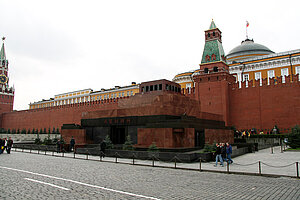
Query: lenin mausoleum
250,87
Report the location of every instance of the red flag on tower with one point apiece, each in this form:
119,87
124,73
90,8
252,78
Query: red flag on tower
247,23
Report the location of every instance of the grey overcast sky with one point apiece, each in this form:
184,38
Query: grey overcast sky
58,46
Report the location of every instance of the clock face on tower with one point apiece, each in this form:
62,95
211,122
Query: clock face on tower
3,79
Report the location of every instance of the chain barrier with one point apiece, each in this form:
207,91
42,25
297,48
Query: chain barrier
246,164
175,159
278,166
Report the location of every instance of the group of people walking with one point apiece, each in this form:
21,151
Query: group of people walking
223,153
6,144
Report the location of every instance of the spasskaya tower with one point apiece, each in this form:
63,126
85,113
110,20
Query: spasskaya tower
6,93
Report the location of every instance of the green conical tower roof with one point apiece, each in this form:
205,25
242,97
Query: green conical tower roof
213,49
212,25
2,53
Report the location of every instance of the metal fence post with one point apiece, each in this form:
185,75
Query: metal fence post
175,161
272,150
133,158
259,168
52,153
87,155
74,153
63,150
23,149
200,165
38,150
227,167
46,150
116,157
297,169
152,161
30,148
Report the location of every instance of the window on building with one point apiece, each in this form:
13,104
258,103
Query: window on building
206,70
208,35
122,94
258,77
128,91
297,70
160,87
131,93
215,69
246,78
271,74
284,72
214,34
188,85
207,58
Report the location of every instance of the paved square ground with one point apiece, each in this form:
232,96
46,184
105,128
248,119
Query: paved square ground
32,176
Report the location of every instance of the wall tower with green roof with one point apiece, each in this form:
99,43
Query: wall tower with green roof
213,49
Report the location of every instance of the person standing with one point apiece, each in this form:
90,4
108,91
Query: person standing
72,144
218,156
229,152
102,148
9,145
58,143
223,151
5,144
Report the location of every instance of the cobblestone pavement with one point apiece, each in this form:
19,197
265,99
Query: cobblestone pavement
32,176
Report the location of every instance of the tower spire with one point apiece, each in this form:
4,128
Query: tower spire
2,52
212,24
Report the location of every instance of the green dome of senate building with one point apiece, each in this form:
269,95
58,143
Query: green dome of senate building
247,49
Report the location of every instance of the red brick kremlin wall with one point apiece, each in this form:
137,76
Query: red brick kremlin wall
262,107
259,107
6,103
53,117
